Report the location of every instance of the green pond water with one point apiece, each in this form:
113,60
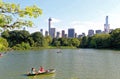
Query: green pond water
70,64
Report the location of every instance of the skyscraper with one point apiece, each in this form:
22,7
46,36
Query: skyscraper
90,32
49,25
71,33
52,32
58,35
106,25
98,31
63,33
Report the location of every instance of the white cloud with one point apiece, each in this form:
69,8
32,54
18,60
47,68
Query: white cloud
54,20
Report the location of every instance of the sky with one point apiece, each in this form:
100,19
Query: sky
81,15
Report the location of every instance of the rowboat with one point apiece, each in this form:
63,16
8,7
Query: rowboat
49,71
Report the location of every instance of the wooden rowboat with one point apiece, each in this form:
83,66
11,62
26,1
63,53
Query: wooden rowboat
49,71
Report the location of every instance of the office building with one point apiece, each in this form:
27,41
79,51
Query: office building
106,25
58,35
49,25
98,31
90,32
63,33
71,33
52,32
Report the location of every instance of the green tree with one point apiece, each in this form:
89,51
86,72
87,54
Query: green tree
100,41
38,39
57,43
63,41
16,37
12,16
22,46
115,38
75,42
84,42
3,44
48,40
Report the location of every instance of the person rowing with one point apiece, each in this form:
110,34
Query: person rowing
41,70
33,71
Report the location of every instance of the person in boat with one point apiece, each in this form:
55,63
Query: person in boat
41,70
0,54
33,71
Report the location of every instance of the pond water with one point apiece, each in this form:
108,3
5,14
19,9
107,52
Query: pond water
69,64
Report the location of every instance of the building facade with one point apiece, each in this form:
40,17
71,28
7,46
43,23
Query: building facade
98,31
90,33
49,25
52,32
106,25
71,33
58,35
63,33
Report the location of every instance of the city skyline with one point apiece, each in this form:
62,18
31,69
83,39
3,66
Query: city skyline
79,14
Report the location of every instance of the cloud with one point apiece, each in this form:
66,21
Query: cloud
54,20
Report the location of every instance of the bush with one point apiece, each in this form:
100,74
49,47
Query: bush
22,46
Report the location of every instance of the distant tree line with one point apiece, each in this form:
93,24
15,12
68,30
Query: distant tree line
102,41
22,39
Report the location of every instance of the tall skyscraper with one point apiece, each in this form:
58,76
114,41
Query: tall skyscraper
106,25
71,33
49,25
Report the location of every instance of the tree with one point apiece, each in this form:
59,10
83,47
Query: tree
84,42
48,40
75,42
100,41
57,43
38,39
115,38
3,44
16,37
12,16
63,41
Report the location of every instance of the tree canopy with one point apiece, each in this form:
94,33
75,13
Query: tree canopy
13,16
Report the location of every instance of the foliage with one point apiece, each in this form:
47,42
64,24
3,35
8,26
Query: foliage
75,42
3,44
22,46
21,39
16,37
84,41
115,38
48,40
12,16
100,41
63,41
38,39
